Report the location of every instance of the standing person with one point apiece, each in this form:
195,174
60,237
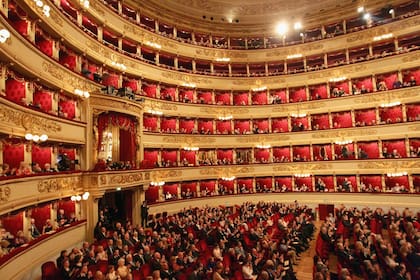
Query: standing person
144,213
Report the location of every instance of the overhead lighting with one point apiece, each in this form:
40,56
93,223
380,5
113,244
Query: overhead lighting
85,195
338,79
391,104
225,118
157,183
36,137
297,55
79,197
391,11
4,35
155,112
119,65
281,28
222,59
396,174
360,9
366,16
118,189
298,115
231,178
153,45
45,8
302,175
382,37
81,93
297,25
191,85
191,148
259,88
263,146
85,3
343,142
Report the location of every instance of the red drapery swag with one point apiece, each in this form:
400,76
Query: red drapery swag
127,126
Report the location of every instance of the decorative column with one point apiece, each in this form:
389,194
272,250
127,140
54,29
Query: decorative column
1,153
380,148
378,117
353,118
404,112
325,60
347,56
89,207
311,151
357,187
137,200
176,62
335,182
100,34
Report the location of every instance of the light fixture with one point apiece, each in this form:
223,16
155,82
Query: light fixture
45,8
118,65
191,148
222,59
366,16
225,118
391,11
383,37
298,115
36,138
153,45
302,175
190,85
337,79
118,189
231,178
360,9
390,104
291,56
397,174
263,146
281,28
4,35
259,88
79,197
85,3
343,142
155,112
157,183
297,25
81,93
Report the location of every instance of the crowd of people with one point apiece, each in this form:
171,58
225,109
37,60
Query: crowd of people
256,240
371,243
26,169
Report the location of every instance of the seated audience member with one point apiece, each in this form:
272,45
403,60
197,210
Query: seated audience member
47,227
36,168
61,217
382,86
23,169
33,229
20,239
48,168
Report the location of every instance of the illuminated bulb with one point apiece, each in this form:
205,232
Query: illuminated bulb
360,9
281,28
4,35
85,196
35,138
366,16
28,136
73,198
43,137
391,11
297,25
39,3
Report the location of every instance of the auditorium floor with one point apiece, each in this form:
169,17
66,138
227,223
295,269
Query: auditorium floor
304,268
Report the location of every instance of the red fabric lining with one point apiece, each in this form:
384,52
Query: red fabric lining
13,154
41,214
204,97
365,117
279,125
44,100
318,92
242,125
370,148
151,155
13,223
322,152
342,120
259,98
186,125
320,122
41,155
280,152
152,194
328,181
305,180
303,152
15,90
240,98
222,98
297,95
205,126
224,127
150,90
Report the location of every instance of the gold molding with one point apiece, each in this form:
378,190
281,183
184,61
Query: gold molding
28,121
344,133
126,179
188,140
389,165
5,193
302,167
228,171
59,184
115,103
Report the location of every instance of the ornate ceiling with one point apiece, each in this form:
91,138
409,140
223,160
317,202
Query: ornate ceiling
255,15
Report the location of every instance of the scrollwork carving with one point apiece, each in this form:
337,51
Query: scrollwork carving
59,184
126,178
189,140
4,194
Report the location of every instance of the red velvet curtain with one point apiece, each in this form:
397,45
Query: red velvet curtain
41,214
13,223
127,125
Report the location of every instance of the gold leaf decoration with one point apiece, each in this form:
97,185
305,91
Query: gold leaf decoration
4,194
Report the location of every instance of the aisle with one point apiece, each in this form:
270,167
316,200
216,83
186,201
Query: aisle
304,268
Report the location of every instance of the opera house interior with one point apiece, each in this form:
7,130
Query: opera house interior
218,139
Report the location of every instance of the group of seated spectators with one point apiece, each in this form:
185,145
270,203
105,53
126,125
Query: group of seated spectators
372,244
26,169
108,165
8,241
254,240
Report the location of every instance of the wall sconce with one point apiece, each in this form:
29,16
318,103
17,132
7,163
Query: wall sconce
4,35
231,178
263,146
157,183
36,138
81,93
155,112
84,3
79,197
45,8
118,65
225,118
343,142
302,175
191,148
298,115
397,174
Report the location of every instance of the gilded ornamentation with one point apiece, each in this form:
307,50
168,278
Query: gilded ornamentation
266,139
28,121
344,134
220,53
164,174
59,184
151,104
126,178
4,194
116,103
147,36
224,111
102,180
302,167
414,128
189,140
411,57
185,78
390,165
227,171
96,7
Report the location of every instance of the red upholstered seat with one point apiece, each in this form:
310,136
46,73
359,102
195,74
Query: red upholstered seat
49,271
